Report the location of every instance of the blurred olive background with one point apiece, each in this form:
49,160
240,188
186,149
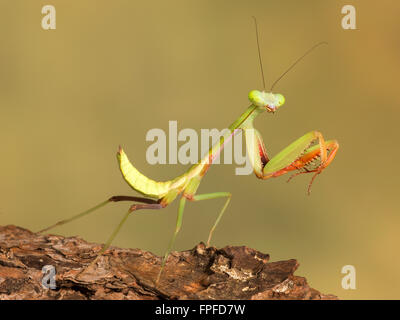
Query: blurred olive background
112,70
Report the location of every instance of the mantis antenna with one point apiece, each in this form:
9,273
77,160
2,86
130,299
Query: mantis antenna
259,52
296,62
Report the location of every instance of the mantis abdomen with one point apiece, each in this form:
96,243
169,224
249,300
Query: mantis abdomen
139,181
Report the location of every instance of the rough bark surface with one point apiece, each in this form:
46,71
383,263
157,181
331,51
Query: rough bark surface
232,272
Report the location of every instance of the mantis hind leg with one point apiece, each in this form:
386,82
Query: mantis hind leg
100,205
131,209
121,223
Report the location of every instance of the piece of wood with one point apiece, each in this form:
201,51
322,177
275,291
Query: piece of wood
232,272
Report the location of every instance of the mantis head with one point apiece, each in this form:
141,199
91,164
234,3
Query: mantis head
266,100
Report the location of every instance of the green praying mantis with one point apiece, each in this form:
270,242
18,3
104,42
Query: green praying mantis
300,156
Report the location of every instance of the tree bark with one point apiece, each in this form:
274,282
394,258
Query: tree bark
233,272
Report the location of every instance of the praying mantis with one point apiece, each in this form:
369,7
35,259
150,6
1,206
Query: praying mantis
300,157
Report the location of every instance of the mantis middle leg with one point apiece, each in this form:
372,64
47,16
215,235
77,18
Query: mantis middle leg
181,208
179,218
214,195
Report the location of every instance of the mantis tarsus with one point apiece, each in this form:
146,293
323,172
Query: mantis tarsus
299,156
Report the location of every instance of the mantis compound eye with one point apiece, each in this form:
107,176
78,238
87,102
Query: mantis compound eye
280,100
257,98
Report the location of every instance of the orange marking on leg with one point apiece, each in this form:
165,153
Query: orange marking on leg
301,163
188,196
